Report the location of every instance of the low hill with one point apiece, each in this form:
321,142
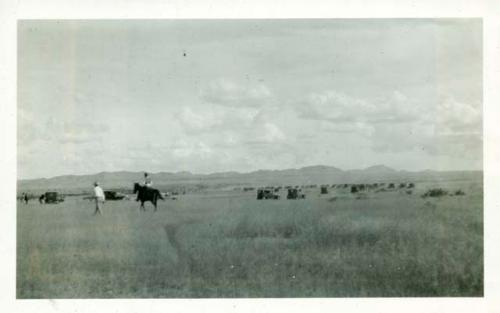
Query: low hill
307,175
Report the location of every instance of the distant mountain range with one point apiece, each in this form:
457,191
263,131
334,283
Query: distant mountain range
319,174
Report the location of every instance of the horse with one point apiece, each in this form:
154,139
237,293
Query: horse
147,194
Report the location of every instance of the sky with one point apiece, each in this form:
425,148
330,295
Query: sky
242,95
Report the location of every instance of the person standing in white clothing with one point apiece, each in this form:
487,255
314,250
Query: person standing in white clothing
99,198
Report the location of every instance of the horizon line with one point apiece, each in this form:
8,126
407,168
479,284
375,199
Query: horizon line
253,171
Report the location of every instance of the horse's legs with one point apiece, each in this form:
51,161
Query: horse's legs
142,208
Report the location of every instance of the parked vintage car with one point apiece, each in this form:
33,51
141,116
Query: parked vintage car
295,193
113,195
267,193
53,197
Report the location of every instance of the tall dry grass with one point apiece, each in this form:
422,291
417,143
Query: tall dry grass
389,244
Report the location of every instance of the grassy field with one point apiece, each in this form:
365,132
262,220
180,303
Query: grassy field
228,244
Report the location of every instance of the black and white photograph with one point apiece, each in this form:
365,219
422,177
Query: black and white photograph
249,158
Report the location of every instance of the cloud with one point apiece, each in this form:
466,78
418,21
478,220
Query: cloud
400,138
340,108
357,127
243,128
202,119
195,120
183,149
77,132
450,128
227,93
31,131
396,123
264,134
334,106
272,133
233,114
224,105
457,117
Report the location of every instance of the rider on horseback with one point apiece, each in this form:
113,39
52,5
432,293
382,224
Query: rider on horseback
148,183
147,180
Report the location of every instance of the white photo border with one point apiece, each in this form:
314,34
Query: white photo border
12,11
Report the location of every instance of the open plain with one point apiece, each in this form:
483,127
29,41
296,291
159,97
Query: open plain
225,243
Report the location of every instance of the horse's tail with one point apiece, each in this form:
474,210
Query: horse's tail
159,195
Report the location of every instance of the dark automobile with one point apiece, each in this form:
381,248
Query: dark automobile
295,193
53,197
113,195
266,193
